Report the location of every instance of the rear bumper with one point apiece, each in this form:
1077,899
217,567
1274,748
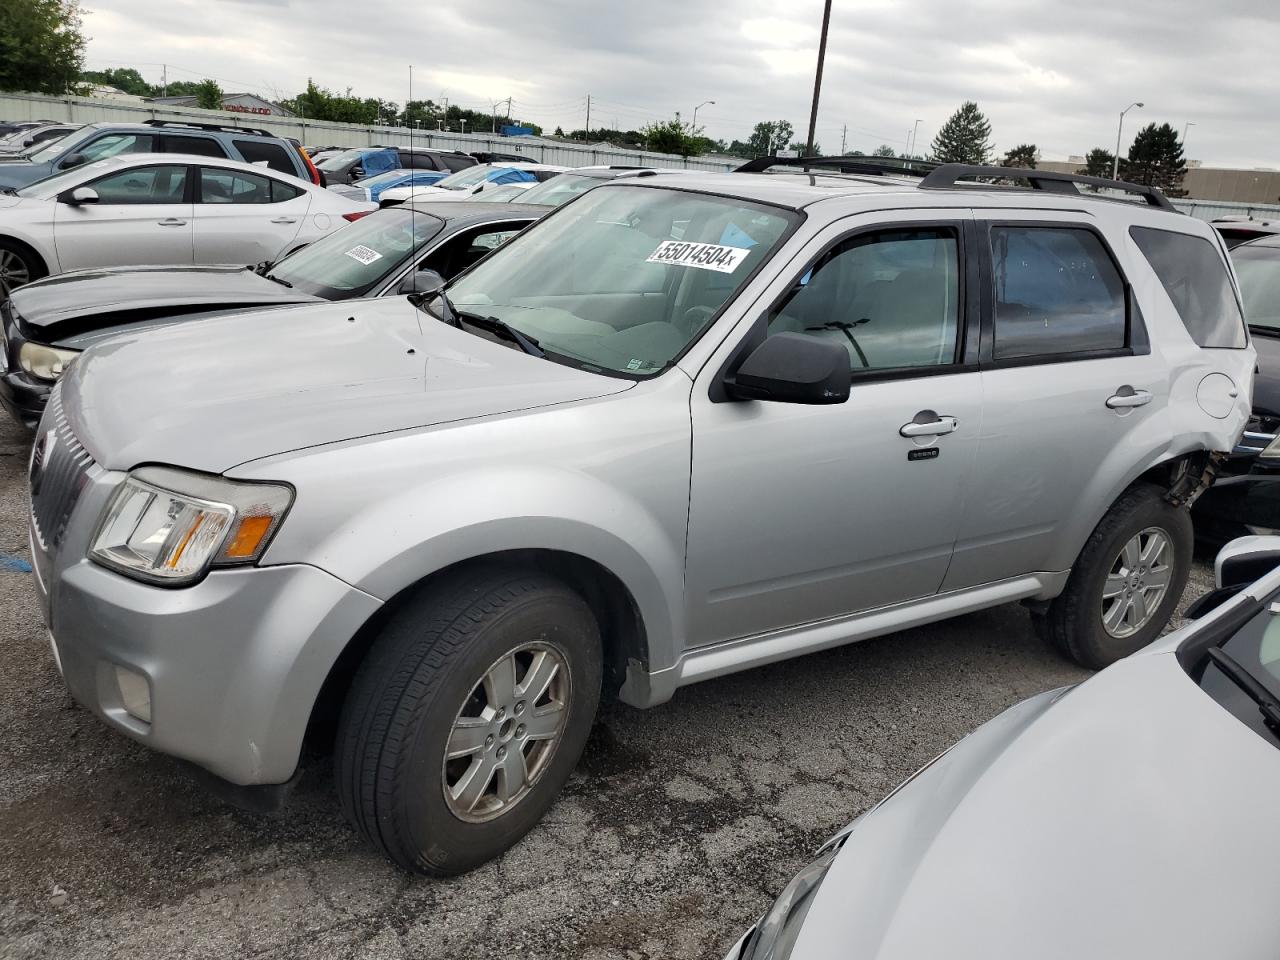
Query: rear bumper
232,665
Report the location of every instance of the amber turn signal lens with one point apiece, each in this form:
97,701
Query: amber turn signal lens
248,536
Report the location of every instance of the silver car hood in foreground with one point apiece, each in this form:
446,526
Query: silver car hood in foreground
1131,817
213,395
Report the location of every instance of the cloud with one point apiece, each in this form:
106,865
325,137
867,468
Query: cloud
1044,73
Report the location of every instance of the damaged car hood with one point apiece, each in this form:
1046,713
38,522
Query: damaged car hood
1132,816
212,395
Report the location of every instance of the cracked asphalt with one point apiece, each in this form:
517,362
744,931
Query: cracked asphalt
677,829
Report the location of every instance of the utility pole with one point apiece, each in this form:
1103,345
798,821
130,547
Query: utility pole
587,138
817,80
844,132
164,79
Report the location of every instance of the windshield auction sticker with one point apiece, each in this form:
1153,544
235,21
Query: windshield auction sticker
704,256
367,255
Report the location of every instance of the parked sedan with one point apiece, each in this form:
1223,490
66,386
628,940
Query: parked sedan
1246,497
564,187
470,182
371,188
161,209
47,323
1132,816
30,140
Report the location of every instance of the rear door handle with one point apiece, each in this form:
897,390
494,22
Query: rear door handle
929,424
173,222
1127,397
285,220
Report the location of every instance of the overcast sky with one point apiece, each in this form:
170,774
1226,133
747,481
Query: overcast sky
1048,72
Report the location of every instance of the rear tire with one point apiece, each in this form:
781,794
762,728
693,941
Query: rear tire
19,265
433,684
1126,583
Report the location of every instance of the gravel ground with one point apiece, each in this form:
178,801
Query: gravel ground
676,830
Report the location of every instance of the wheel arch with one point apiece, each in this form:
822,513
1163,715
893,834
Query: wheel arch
623,632
41,261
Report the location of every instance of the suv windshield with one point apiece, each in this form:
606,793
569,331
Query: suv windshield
351,261
623,280
1258,271
557,190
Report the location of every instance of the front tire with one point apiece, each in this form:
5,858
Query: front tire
1126,582
19,265
467,717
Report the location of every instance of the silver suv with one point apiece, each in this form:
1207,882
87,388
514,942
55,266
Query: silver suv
683,426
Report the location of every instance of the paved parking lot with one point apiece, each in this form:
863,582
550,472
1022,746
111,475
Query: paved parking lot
678,826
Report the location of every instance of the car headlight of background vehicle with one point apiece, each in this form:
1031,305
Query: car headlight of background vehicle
170,526
45,363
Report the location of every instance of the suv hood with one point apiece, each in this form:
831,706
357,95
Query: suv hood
212,395
92,300
1132,816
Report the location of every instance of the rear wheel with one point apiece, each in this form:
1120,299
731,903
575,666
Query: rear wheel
467,717
1127,581
19,265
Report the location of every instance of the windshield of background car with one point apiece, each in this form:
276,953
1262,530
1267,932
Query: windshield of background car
49,152
1256,647
468,178
30,152
351,261
51,186
1258,272
557,190
625,278
340,162
390,178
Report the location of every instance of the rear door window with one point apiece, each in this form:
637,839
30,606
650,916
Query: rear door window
200,146
265,152
1195,277
233,186
1057,292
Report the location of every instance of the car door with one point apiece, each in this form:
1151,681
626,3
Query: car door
1068,376
142,216
802,513
244,217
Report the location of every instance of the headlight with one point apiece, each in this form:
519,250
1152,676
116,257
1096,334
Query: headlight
45,363
170,526
775,935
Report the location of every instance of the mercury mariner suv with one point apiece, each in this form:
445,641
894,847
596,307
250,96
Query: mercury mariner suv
685,425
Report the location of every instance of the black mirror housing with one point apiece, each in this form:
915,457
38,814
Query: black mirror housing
793,368
75,160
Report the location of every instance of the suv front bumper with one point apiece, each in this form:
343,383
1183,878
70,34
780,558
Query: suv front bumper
232,665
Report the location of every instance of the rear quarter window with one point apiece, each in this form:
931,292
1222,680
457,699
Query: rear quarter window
272,154
1194,275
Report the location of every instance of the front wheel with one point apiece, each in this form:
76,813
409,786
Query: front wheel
467,717
1126,582
18,267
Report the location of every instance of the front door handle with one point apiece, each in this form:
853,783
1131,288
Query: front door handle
1127,397
285,220
173,222
929,424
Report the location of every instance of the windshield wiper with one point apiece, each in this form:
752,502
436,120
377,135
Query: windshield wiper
501,327
1261,329
8,191
280,280
1248,684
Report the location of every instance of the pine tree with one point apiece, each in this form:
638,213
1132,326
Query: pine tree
1098,163
1156,160
964,138
1023,155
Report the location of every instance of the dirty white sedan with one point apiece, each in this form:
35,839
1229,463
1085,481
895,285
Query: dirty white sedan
1131,816
161,209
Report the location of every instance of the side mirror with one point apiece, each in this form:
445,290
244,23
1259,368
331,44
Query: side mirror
1245,560
75,160
80,195
793,368
420,281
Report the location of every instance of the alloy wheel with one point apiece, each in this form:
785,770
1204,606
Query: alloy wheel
14,271
506,732
1137,582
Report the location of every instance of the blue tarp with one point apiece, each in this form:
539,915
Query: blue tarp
379,161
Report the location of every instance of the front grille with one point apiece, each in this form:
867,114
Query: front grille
60,469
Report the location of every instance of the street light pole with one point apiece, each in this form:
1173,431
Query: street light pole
911,150
694,125
1185,127
1115,161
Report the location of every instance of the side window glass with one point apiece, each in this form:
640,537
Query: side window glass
1194,275
455,164
115,144
1056,291
267,154
142,185
465,249
199,146
891,299
233,186
281,191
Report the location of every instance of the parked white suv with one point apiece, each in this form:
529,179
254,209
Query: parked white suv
684,425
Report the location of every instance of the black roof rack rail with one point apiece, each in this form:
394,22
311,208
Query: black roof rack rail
873,166
220,127
946,175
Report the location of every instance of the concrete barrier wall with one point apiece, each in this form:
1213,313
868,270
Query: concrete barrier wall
26,106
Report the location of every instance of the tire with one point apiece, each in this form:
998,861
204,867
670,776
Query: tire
1074,622
427,671
19,265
